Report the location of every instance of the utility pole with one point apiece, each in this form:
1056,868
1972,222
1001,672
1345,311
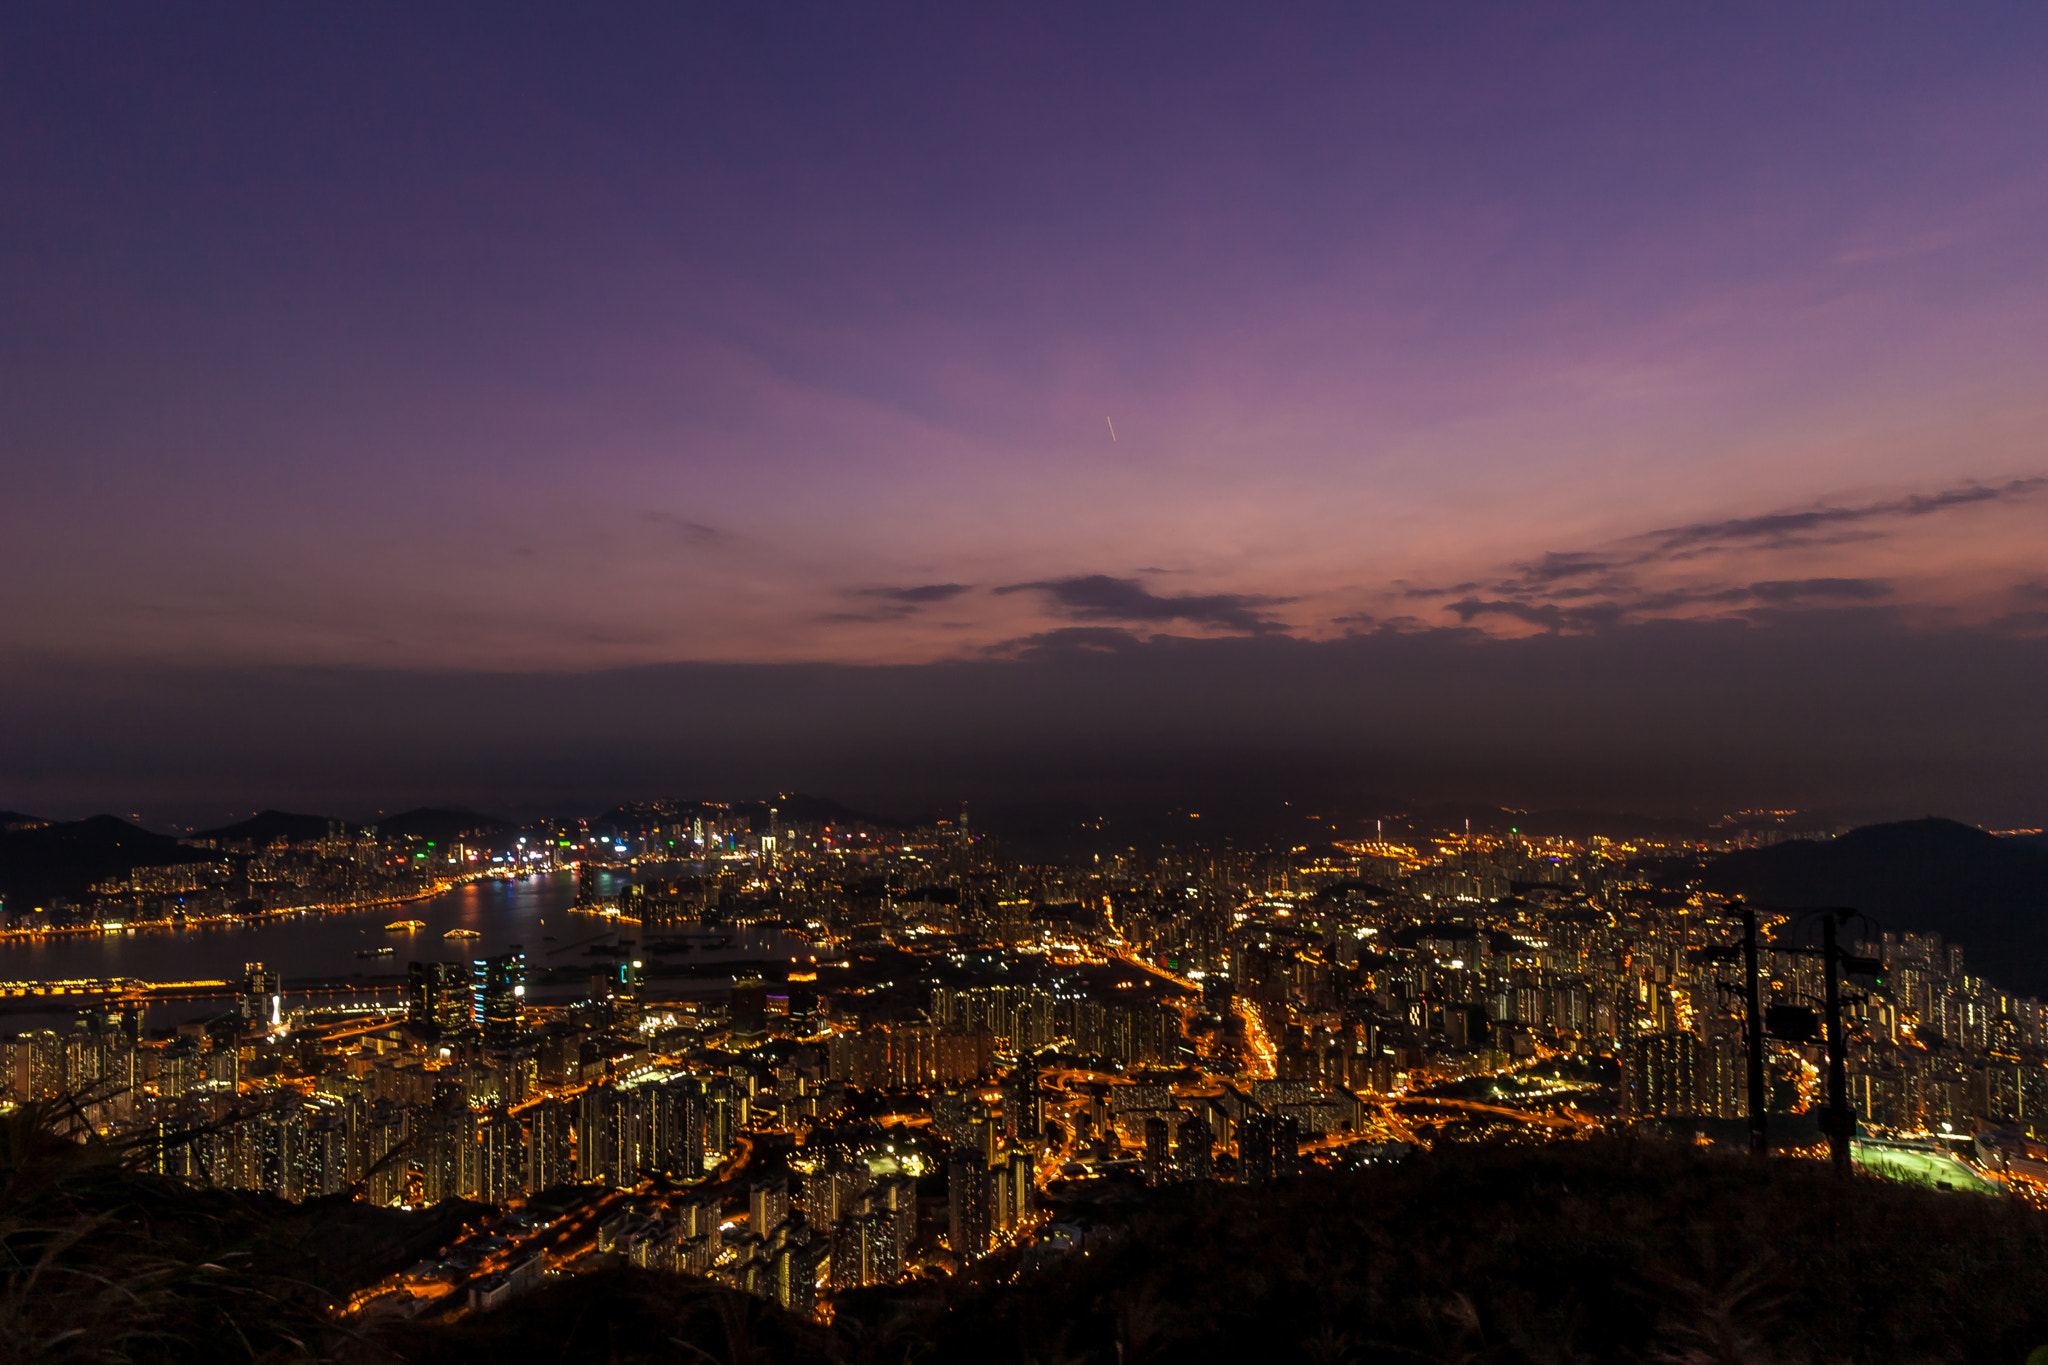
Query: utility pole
1839,1121
1759,1137
1838,1086
1752,1019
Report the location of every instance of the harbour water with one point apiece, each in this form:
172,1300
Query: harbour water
314,944
531,913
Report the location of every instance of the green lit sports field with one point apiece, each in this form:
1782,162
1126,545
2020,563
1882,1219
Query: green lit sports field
1916,1166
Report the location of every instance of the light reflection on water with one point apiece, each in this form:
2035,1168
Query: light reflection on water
526,913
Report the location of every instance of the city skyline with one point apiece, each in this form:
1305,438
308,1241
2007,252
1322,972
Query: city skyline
817,1061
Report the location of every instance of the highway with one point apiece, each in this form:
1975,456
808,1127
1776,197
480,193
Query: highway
1542,1118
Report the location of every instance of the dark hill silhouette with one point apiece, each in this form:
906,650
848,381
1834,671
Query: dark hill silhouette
1564,823
38,865
797,808
792,808
14,819
441,825
267,827
1986,893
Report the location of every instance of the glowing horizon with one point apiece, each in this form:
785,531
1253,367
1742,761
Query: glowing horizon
540,360
1593,401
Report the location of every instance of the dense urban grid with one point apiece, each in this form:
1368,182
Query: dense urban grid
802,1055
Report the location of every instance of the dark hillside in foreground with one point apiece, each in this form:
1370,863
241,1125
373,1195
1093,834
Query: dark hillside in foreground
1600,1251
1605,1251
617,1316
1986,893
1610,1250
106,1262
48,861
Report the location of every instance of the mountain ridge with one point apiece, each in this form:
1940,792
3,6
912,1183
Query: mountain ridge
440,824
63,859
268,826
1988,894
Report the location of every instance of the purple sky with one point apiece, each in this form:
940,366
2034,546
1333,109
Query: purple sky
536,342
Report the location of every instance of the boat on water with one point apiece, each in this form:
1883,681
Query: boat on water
462,933
377,952
405,926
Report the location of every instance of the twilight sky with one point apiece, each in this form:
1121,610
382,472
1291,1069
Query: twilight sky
1242,357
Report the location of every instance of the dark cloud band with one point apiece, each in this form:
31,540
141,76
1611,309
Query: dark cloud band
1099,597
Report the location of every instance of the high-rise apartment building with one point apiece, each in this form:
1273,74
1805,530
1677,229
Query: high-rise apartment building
1195,1151
550,1155
768,1204
1661,1074
1269,1146
967,1183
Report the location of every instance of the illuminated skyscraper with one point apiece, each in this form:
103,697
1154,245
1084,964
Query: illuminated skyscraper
438,995
626,1003
262,996
497,991
749,1009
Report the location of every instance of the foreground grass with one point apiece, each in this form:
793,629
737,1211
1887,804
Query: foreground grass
1596,1251
103,1263
1607,1251
1603,1251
